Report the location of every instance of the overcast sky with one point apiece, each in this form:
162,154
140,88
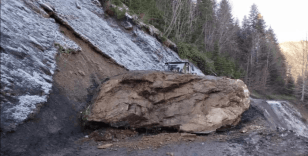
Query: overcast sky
288,18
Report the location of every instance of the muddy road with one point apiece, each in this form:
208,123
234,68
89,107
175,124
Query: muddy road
58,135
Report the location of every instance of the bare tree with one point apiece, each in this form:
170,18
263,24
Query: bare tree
299,51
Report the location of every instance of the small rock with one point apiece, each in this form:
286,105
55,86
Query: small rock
243,130
127,25
81,73
104,146
128,16
86,136
188,135
78,5
170,154
96,2
47,7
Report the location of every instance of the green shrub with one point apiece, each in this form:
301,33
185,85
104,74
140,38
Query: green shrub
219,65
191,52
225,66
120,14
85,114
163,39
147,12
116,2
63,50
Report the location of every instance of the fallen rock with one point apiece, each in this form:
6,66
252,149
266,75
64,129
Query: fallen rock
104,146
145,99
127,25
188,136
243,131
78,5
81,73
46,7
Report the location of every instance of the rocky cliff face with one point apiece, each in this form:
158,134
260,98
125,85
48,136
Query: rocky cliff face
198,104
34,32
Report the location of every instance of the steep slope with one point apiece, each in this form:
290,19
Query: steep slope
31,37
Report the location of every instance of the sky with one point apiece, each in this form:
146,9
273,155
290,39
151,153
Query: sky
288,18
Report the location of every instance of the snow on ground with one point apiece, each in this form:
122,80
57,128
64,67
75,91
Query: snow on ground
289,116
27,60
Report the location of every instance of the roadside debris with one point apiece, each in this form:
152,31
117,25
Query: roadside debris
104,146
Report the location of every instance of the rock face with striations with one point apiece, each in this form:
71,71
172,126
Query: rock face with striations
145,99
32,38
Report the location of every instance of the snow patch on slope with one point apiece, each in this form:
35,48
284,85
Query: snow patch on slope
290,117
27,104
135,50
27,60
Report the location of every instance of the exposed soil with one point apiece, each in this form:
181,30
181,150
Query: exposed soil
83,70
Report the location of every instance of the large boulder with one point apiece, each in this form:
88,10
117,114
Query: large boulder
191,103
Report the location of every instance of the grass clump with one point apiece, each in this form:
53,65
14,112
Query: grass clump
117,2
61,49
118,10
120,13
85,114
163,39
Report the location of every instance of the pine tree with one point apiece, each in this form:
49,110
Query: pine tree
253,16
290,86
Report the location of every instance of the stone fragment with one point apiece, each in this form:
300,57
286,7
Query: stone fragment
104,146
127,25
188,135
169,154
190,103
46,7
243,130
96,2
81,73
78,5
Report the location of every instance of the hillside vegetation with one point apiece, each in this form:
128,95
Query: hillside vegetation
296,54
207,34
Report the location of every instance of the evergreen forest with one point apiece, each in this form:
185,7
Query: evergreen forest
207,34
